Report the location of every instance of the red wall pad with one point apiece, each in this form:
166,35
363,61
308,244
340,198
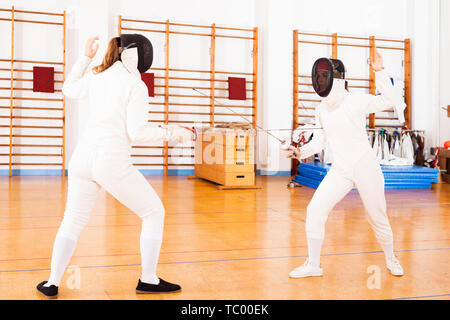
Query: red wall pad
43,79
236,89
149,80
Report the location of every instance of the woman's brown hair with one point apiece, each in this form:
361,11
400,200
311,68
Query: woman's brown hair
111,56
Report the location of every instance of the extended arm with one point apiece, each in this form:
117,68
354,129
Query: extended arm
317,143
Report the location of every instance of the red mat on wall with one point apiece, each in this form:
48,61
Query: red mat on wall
149,80
236,88
43,79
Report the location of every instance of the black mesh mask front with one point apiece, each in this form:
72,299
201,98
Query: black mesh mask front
323,72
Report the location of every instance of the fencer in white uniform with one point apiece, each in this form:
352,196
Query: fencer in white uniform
342,117
118,101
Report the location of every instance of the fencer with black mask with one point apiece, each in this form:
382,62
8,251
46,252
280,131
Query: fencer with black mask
342,115
118,101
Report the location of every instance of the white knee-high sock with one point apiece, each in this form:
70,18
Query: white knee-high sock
62,252
150,248
314,248
150,243
388,251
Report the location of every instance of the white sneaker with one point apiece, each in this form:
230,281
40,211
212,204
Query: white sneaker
394,266
306,270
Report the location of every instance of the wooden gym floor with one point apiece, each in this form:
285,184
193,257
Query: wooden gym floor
229,244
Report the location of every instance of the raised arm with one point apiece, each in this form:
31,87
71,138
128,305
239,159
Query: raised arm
387,99
138,127
76,85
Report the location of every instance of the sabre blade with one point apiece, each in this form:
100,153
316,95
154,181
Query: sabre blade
223,105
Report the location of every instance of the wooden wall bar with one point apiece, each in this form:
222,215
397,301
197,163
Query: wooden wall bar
335,41
57,109
211,81
371,78
295,87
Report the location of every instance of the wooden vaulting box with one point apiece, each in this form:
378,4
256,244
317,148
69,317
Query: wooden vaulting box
226,156
444,164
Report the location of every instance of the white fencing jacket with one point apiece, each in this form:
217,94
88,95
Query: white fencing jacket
344,123
118,102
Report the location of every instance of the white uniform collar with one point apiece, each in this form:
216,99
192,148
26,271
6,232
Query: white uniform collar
336,95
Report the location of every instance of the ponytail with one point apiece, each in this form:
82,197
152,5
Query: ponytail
111,56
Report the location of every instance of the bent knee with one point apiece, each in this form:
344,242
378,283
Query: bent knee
316,216
72,225
155,211
383,233
153,224
316,209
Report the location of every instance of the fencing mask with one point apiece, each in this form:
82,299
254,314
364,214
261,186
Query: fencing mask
136,52
324,72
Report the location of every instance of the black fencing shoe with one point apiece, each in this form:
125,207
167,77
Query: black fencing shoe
50,292
162,287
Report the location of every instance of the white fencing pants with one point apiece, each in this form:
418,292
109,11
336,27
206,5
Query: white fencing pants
368,178
90,168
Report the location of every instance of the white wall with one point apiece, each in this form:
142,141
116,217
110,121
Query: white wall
193,52
444,67
275,83
416,19
369,17
231,13
423,29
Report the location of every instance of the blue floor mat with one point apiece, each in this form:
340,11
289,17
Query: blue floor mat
405,177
